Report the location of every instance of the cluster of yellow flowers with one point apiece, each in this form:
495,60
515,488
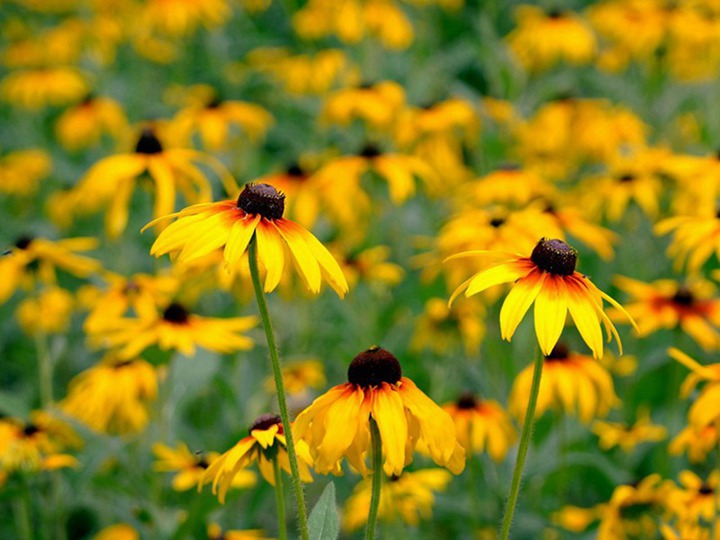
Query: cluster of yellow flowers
429,195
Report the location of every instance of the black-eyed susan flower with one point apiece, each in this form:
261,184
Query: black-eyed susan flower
215,532
35,88
667,304
264,444
696,499
232,225
84,124
378,104
176,328
32,260
408,497
705,410
482,425
571,382
190,467
440,326
47,312
543,38
118,531
337,424
696,442
627,437
549,279
109,184
509,185
180,17
695,239
370,265
114,396
300,376
22,171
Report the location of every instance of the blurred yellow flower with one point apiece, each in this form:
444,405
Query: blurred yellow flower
84,124
47,312
22,171
299,377
39,87
695,239
705,410
440,326
378,104
627,437
119,531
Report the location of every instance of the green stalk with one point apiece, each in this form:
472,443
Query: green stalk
376,446
45,368
522,449
279,500
22,514
280,388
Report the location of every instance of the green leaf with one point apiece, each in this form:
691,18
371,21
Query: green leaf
324,522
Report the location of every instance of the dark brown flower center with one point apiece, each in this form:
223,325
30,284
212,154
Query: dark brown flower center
705,489
266,421
626,178
262,199
215,102
30,429
176,313
497,222
555,257
295,170
555,13
148,143
467,401
23,242
683,296
374,367
560,352
370,151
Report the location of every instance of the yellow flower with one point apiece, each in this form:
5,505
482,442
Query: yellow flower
299,377
548,278
574,518
482,425
706,408
378,105
337,424
627,437
668,304
509,185
371,265
571,382
212,117
110,182
232,225
698,442
409,496
440,326
32,259
83,125
697,183
182,17
113,396
175,328
696,499
47,313
191,467
21,171
542,39
454,119
695,239
119,531
265,443
39,87
215,532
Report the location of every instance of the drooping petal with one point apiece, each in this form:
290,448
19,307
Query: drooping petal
239,238
271,253
307,264
518,301
389,413
551,307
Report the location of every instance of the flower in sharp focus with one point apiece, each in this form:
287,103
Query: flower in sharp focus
482,425
571,382
190,467
232,225
176,328
692,307
627,437
409,497
265,443
337,424
549,279
113,396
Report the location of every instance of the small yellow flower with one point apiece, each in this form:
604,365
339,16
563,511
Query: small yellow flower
695,239
47,313
378,105
548,278
22,171
337,424
113,396
264,444
409,496
299,377
371,265
571,382
440,326
482,425
232,225
696,498
191,467
627,437
697,442
119,531
39,87
215,532
83,125
706,408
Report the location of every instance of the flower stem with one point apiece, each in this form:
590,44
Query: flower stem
522,449
376,446
282,402
45,368
280,500
22,515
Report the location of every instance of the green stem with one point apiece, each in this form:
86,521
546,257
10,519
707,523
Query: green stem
376,444
522,449
279,500
22,515
280,388
45,369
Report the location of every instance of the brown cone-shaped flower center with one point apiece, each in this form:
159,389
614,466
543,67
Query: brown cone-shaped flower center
295,170
705,489
555,257
370,151
466,401
683,296
148,143
266,421
560,352
497,222
374,367
626,178
175,313
23,242
262,199
555,13
30,429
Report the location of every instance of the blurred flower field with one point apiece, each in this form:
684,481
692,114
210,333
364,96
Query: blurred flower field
359,268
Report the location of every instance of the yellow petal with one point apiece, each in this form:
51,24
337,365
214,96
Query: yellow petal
518,301
550,312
